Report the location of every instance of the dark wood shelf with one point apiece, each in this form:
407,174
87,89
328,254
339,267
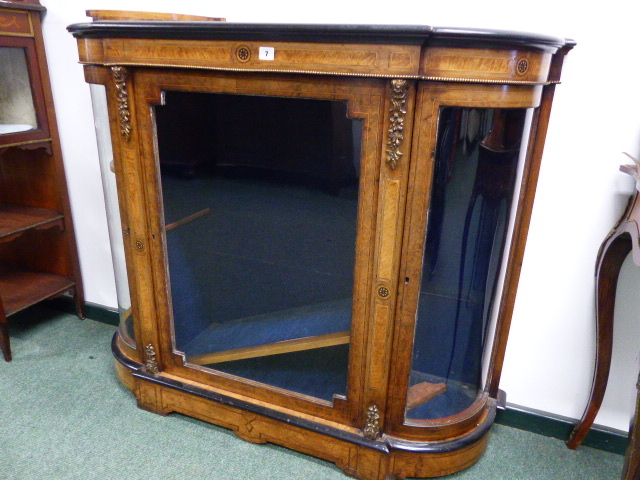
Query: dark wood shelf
24,141
16,219
20,289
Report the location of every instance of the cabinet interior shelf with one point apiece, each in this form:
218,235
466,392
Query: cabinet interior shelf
20,289
17,219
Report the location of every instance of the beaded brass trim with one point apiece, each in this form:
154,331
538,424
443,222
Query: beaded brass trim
120,77
318,72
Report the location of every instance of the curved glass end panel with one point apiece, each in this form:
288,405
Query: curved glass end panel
260,199
473,189
17,110
116,240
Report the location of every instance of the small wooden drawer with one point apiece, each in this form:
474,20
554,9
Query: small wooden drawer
16,23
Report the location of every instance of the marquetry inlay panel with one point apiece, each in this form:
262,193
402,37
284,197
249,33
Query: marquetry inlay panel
15,23
378,60
485,64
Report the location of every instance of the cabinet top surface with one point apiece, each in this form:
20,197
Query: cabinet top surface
318,33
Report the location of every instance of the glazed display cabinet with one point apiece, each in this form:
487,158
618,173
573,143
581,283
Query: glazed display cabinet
38,254
322,226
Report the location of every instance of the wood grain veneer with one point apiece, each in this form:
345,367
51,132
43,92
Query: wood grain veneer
395,80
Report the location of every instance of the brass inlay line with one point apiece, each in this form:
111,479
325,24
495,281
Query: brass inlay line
319,72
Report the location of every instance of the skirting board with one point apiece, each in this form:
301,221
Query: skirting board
99,313
556,426
522,418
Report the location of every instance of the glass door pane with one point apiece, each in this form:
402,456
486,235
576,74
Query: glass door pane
17,110
260,202
476,165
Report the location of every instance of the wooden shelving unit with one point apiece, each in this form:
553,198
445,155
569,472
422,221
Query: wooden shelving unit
38,254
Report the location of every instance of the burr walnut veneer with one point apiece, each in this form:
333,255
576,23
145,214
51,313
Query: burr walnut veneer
322,226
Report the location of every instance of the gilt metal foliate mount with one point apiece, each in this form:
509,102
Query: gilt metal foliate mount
371,428
398,111
120,77
150,361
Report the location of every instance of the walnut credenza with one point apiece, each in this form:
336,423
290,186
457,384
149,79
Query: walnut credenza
322,226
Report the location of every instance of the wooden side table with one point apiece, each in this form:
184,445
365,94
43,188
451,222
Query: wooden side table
623,239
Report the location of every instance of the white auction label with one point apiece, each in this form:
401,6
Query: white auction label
266,53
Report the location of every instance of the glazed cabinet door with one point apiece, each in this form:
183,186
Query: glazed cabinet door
251,217
23,116
469,155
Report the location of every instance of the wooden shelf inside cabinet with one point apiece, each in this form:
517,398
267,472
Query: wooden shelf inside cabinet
17,219
20,289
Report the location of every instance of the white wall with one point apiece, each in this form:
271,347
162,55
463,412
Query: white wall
596,116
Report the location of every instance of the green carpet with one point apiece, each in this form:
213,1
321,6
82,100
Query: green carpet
64,415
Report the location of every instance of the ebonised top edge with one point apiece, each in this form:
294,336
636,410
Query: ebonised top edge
322,33
30,5
500,38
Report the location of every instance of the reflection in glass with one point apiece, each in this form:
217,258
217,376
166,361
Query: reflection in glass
17,111
260,204
474,180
